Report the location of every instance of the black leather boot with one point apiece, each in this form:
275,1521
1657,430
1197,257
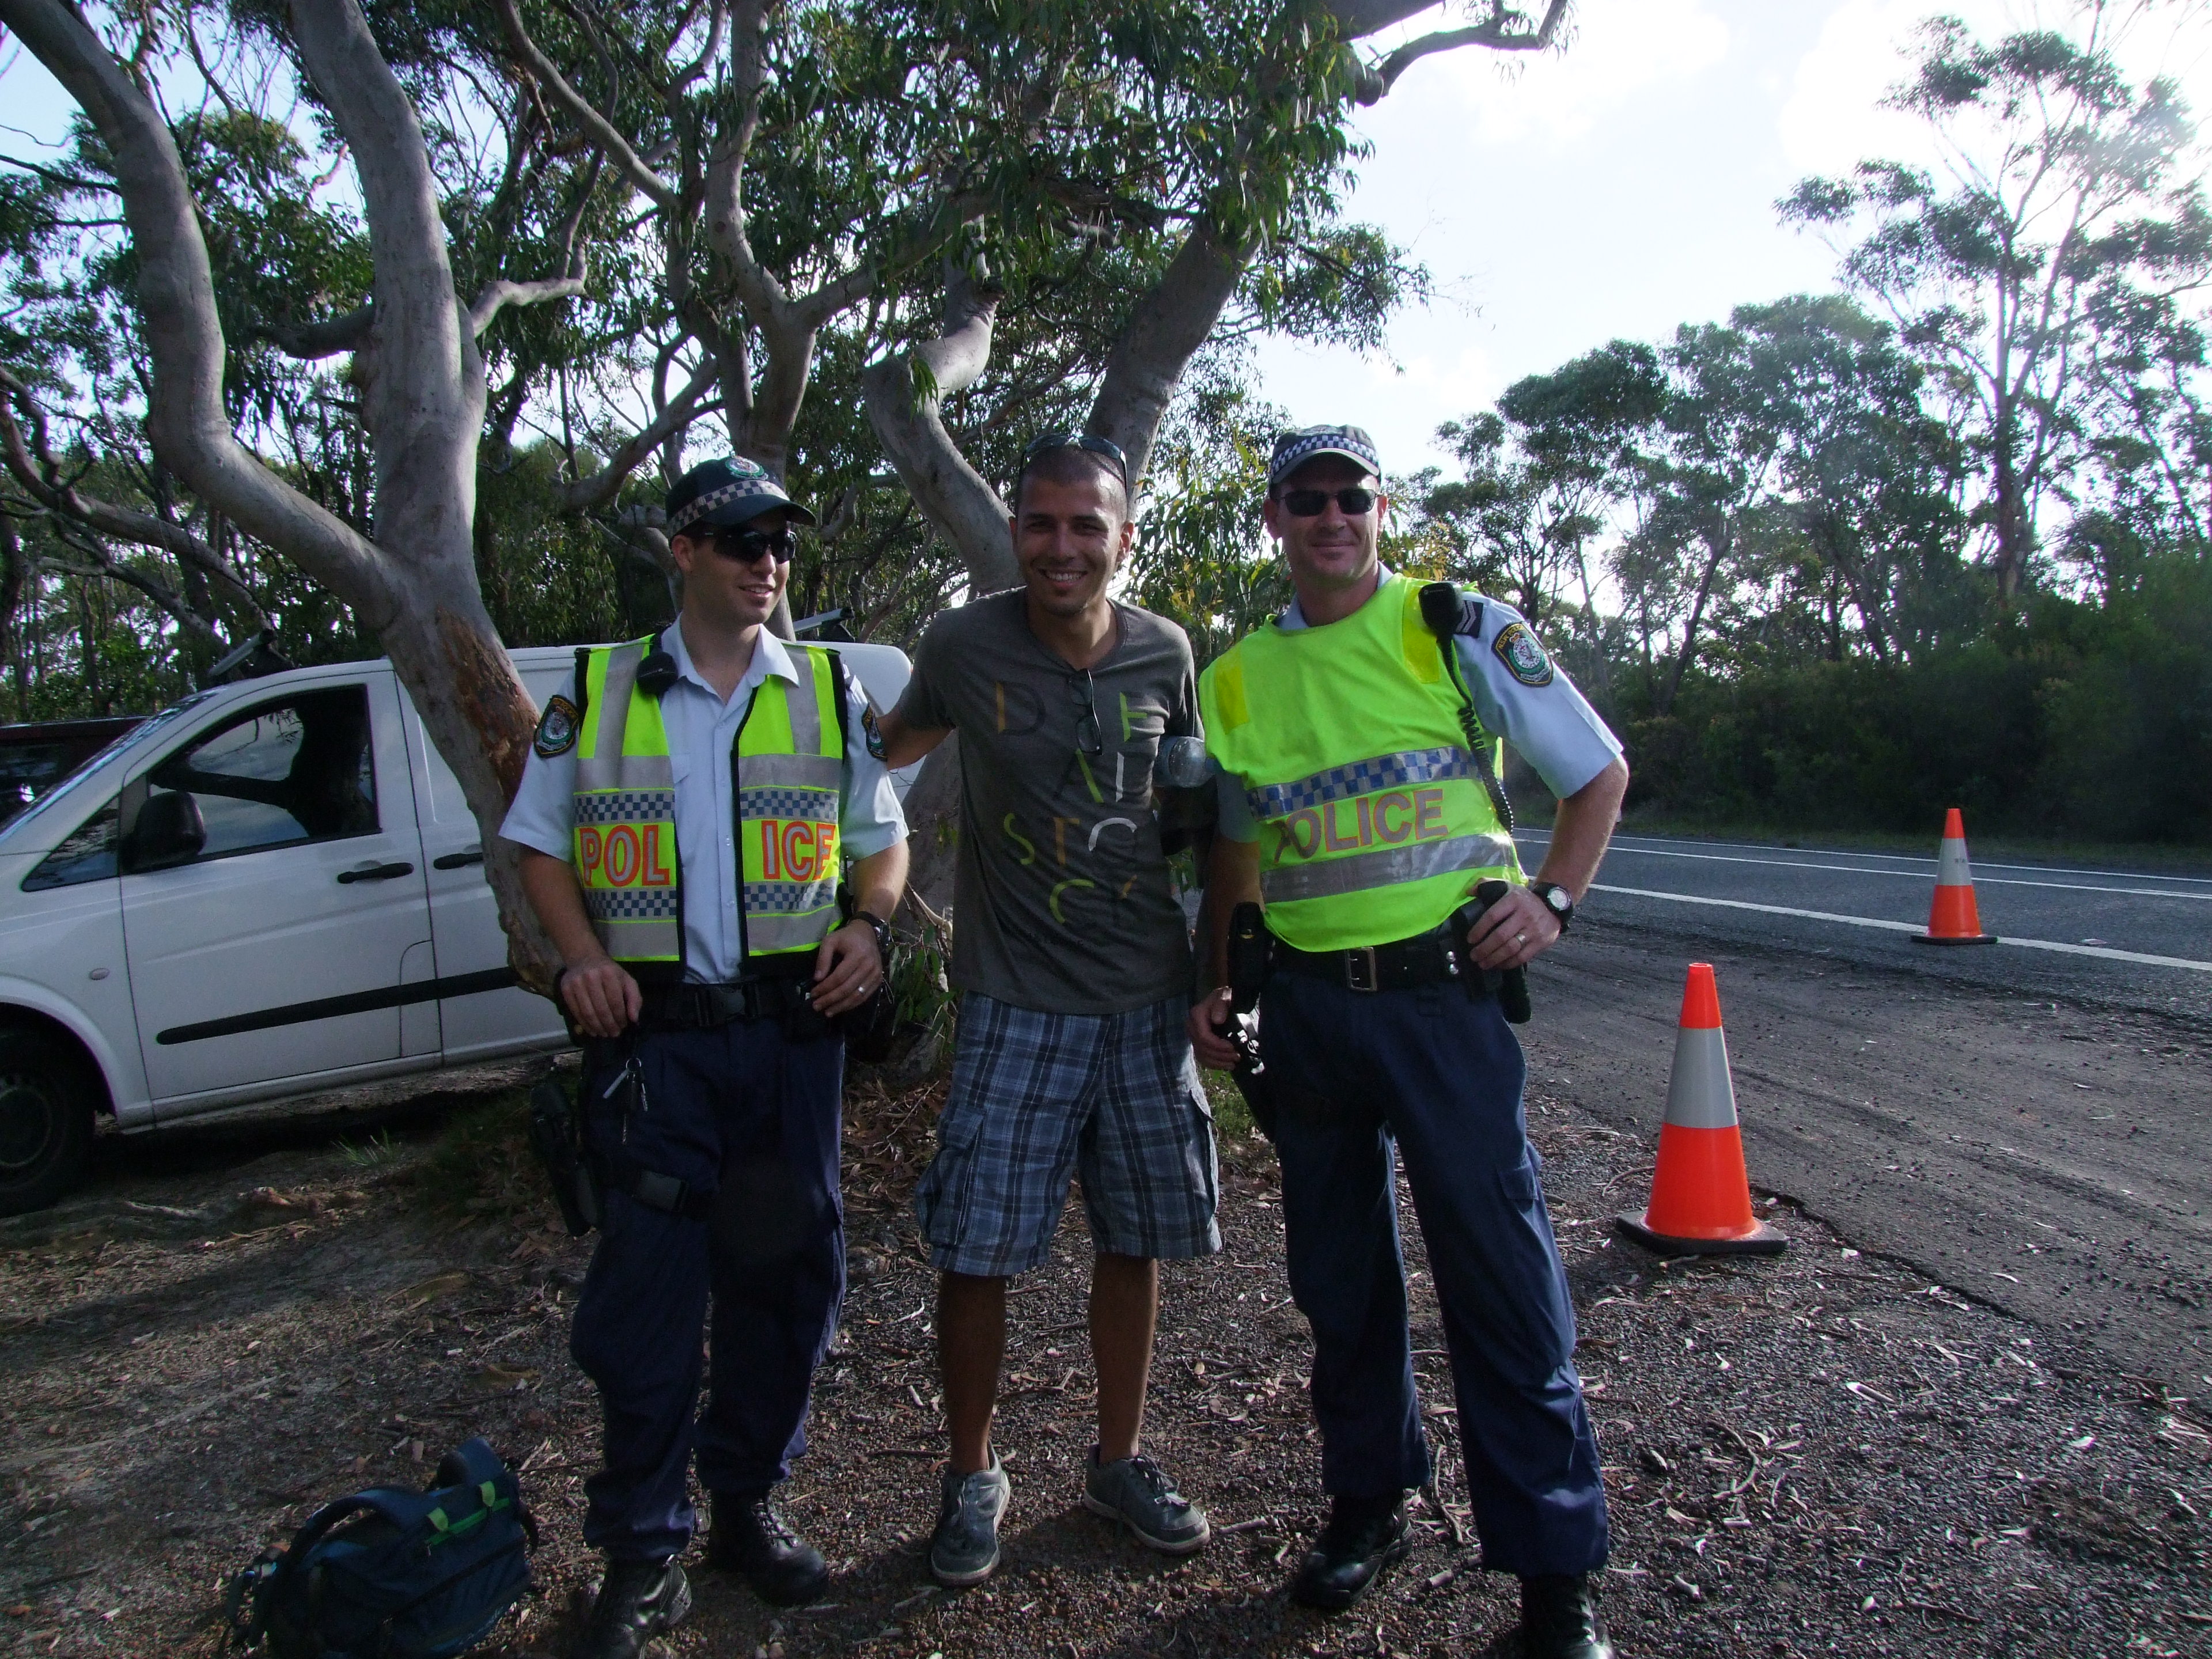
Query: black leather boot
1364,1536
750,1538
637,1601
1560,1620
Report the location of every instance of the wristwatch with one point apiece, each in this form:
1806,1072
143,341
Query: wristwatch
882,930
1559,901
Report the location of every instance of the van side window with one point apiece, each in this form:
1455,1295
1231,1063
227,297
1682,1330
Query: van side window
87,855
294,771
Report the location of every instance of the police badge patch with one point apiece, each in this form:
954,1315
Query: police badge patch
871,734
556,728
1523,654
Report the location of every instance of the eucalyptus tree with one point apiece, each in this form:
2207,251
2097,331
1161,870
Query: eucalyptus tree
2067,196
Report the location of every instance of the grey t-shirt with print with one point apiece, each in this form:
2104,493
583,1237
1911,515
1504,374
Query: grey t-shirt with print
1061,894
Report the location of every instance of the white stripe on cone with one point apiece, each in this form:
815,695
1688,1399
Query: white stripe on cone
1701,1095
1951,869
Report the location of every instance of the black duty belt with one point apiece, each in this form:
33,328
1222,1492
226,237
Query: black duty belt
689,1007
1427,958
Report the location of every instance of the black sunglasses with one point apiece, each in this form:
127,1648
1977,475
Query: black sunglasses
1312,503
747,545
1084,695
1105,447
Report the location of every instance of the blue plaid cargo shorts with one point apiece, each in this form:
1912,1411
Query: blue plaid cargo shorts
1036,1097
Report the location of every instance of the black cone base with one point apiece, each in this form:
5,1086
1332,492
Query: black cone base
1763,1242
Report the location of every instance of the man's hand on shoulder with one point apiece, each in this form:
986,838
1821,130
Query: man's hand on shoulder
601,997
903,744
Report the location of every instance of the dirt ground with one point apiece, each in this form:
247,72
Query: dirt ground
1821,1454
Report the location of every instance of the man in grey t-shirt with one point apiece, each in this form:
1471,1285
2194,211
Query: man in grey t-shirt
1074,963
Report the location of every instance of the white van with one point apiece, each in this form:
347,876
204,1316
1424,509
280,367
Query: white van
271,889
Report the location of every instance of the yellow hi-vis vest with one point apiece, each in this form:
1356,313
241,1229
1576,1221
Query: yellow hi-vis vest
788,773
1374,821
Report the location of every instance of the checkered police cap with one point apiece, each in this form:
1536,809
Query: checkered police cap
728,492
1294,449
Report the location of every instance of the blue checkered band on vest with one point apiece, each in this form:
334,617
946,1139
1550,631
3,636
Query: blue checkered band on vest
630,903
789,897
626,806
761,801
1279,800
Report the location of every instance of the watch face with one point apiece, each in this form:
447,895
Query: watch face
1557,899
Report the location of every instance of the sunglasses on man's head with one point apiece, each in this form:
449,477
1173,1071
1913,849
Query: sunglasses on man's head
1105,448
1312,503
747,545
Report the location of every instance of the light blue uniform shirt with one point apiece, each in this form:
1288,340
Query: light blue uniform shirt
703,732
1552,725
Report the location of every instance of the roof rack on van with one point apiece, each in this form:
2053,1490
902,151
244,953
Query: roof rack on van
827,625
251,660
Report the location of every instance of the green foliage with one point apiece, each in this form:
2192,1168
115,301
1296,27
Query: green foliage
2071,718
1202,558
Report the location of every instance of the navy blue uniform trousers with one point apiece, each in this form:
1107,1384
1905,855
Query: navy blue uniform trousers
1440,1076
745,1114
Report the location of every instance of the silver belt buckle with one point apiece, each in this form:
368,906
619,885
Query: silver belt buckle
1353,961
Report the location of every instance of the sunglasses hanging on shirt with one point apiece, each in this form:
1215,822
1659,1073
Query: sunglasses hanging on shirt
1312,503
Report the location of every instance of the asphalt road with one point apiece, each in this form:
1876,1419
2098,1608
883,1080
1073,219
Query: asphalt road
2024,1123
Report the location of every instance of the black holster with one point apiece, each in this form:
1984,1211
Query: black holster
557,1135
1250,947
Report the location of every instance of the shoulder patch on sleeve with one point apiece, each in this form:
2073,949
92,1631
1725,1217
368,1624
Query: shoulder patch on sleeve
1523,654
872,734
556,728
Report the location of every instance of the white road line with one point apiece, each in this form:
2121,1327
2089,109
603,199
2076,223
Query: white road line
2104,951
1979,863
1909,875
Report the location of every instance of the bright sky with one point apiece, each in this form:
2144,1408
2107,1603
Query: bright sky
1627,184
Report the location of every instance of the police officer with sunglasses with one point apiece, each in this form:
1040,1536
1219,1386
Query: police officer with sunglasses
688,811
1357,736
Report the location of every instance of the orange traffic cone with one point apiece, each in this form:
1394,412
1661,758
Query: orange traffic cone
1953,918
1700,1197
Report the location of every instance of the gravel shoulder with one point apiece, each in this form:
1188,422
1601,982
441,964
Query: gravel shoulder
1832,1452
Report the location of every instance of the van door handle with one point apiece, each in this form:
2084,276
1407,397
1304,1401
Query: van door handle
374,872
468,855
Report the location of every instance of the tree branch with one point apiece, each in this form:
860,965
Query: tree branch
497,297
323,339
31,463
905,409
586,493
1504,30
597,127
188,419
1164,330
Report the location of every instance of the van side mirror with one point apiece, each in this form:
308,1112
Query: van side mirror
170,831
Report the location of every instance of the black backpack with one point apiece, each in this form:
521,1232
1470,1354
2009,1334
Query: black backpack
393,1574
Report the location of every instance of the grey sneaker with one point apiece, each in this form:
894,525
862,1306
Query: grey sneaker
1137,1492
964,1548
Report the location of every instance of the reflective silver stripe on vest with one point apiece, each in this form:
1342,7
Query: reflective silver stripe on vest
1358,871
791,771
804,706
1701,1095
774,932
1363,777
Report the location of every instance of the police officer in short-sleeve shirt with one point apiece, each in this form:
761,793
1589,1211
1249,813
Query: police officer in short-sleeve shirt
1359,803
688,810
